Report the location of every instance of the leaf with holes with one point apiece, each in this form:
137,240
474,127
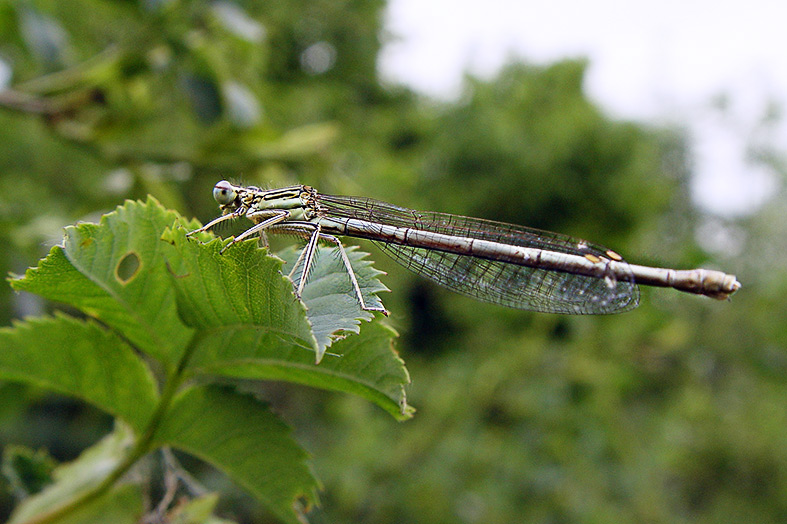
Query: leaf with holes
155,287
114,271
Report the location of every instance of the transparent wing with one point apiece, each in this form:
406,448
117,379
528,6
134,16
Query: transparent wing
503,283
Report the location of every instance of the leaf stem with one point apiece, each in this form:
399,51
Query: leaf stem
140,449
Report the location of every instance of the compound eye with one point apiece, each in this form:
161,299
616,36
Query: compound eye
224,193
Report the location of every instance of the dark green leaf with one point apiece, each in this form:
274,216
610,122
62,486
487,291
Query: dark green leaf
240,436
82,359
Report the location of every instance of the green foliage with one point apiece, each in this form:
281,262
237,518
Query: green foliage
329,298
84,273
536,151
201,317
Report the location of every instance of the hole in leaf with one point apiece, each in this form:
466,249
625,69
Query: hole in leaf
127,268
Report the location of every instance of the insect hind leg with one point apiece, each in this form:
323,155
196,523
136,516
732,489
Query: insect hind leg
307,257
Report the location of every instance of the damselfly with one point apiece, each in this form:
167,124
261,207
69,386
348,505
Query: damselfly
504,264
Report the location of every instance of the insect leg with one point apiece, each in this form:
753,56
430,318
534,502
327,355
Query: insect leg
351,273
307,255
222,218
256,228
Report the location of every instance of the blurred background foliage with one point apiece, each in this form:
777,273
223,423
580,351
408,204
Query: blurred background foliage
675,412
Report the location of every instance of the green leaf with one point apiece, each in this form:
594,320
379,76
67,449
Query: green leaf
251,325
207,316
365,364
242,289
82,359
240,436
84,474
114,271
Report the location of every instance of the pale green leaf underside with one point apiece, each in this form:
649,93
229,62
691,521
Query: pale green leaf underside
332,306
80,476
230,431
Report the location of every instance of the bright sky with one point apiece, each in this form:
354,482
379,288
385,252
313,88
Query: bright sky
657,61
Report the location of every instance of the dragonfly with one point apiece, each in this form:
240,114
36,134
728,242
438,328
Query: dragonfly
495,262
